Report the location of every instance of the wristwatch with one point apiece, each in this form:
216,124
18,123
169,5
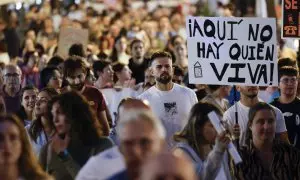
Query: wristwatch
63,154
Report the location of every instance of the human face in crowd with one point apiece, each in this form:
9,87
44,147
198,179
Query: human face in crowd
168,167
248,91
139,141
76,79
90,78
60,119
108,74
33,60
12,78
29,45
137,50
10,143
56,80
121,45
180,50
29,99
164,23
263,126
125,74
225,91
208,132
177,79
31,35
149,78
162,70
41,104
288,85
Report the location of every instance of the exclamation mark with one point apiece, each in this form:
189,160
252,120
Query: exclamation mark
271,73
190,27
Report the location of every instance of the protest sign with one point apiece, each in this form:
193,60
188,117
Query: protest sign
290,19
70,36
232,51
3,2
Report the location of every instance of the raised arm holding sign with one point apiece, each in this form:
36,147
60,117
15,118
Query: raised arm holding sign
234,51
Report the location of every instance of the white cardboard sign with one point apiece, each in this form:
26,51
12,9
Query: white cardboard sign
232,51
70,36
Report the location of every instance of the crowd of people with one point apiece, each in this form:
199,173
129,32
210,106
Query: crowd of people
122,107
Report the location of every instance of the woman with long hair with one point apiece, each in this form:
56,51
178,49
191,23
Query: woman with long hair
41,129
199,141
78,136
264,156
17,160
28,99
51,77
122,76
119,53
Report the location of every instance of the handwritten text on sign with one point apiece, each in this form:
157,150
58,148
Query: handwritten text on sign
232,51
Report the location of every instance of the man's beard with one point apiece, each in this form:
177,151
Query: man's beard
139,56
149,84
13,88
164,80
252,96
77,87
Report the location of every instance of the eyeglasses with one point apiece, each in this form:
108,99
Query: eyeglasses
289,80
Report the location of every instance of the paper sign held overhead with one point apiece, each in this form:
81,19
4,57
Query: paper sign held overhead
70,36
232,51
290,19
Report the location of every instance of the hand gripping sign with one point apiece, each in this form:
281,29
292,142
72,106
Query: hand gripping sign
216,122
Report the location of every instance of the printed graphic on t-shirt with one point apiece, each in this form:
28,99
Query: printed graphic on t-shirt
170,121
171,109
287,114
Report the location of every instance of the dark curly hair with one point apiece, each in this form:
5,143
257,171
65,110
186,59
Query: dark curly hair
83,121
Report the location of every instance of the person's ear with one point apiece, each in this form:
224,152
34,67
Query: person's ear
250,127
151,71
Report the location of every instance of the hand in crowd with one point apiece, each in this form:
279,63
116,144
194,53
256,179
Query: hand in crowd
59,144
130,83
222,141
236,131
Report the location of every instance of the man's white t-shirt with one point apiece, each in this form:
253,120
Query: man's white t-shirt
113,97
103,165
171,107
243,111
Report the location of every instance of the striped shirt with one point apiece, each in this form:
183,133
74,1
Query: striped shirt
284,166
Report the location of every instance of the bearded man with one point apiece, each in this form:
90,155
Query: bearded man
170,102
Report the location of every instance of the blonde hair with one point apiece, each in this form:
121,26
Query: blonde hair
141,115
